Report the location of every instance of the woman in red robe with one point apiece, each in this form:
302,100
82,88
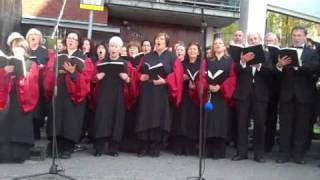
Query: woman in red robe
73,85
185,129
41,56
159,90
219,82
112,92
18,98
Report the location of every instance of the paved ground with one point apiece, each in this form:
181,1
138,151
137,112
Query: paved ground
127,166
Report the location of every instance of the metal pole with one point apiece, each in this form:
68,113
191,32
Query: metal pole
90,24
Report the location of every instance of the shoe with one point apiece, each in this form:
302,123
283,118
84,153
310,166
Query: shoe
259,159
142,153
299,160
65,155
155,153
282,160
97,154
114,154
239,157
79,147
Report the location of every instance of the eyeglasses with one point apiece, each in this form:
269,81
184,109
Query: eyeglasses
72,38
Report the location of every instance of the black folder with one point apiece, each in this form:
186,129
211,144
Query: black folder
154,70
235,52
73,60
19,64
111,68
290,52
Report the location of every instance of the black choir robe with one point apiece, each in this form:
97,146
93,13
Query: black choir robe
18,98
129,140
41,57
71,98
154,109
186,116
113,98
217,120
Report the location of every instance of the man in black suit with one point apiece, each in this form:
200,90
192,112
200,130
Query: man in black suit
296,97
251,97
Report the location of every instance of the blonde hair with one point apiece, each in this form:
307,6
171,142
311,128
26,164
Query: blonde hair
21,43
34,31
213,53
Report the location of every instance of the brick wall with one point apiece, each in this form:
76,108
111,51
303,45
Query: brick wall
51,9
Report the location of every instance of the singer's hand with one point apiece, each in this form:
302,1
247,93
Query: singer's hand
125,77
68,67
160,81
61,71
9,69
100,75
214,88
284,61
246,57
192,85
186,77
144,77
40,66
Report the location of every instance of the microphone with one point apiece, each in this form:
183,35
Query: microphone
209,105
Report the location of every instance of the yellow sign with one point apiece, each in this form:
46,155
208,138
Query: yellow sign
95,5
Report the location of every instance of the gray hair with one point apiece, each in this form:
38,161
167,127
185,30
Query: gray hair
116,40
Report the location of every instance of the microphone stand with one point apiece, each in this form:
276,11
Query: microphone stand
202,117
54,167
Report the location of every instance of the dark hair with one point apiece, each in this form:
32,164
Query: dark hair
134,43
199,49
299,27
79,38
92,46
95,49
166,36
145,40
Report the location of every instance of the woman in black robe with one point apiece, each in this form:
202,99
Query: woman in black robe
186,117
220,89
112,90
40,55
129,141
157,89
70,102
18,97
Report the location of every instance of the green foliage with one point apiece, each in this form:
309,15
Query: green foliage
282,24
228,31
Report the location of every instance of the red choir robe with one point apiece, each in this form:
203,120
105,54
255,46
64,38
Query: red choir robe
27,88
158,116
227,87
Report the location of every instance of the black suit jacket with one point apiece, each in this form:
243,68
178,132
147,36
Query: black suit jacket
299,83
257,86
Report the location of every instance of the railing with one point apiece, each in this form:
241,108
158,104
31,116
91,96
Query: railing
228,5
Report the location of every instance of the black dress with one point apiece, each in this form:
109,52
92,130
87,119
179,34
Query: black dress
129,141
154,112
16,130
40,56
217,120
185,129
110,111
69,116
